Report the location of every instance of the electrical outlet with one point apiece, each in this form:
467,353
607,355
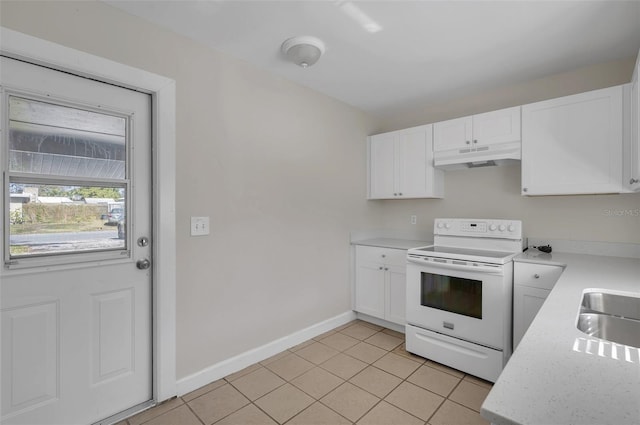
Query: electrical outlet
414,219
199,226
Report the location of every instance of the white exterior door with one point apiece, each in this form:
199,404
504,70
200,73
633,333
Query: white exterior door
76,309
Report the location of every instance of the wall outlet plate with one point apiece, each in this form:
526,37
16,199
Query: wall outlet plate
199,226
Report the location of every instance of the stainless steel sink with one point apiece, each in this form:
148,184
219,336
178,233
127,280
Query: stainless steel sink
611,304
610,328
611,317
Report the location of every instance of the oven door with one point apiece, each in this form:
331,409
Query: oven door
466,300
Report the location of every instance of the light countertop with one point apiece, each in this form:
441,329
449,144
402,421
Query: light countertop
392,243
559,375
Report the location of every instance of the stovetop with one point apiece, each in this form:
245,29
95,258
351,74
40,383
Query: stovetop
491,241
465,254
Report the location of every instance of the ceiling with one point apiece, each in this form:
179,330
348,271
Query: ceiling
385,56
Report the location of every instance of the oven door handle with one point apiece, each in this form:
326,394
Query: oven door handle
449,266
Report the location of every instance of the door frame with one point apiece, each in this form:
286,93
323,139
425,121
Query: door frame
24,47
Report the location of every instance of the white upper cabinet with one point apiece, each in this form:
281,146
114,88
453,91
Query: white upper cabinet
401,165
491,138
382,166
452,134
573,144
632,176
490,128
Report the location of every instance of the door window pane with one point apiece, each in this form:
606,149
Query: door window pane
46,219
51,139
67,180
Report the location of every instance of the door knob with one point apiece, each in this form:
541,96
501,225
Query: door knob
143,264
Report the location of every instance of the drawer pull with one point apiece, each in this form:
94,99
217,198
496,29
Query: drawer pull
537,276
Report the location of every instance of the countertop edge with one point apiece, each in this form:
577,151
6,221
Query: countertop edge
392,243
547,362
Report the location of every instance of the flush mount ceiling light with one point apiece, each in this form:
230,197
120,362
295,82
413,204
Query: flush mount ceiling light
303,51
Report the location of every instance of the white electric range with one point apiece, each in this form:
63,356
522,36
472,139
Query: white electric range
459,295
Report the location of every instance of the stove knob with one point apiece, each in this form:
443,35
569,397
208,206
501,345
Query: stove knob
511,228
492,227
447,225
439,225
501,227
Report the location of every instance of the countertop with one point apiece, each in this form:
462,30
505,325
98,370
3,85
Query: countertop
559,375
392,243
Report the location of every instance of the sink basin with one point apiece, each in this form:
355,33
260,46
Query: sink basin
611,317
611,304
610,328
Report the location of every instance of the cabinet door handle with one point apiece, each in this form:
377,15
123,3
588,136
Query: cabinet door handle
537,276
400,194
633,181
475,141
524,189
380,268
468,142
386,268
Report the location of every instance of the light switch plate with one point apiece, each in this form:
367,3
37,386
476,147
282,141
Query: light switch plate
199,226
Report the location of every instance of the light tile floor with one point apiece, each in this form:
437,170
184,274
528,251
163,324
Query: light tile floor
358,373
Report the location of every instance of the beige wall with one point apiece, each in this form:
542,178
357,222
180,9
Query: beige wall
280,170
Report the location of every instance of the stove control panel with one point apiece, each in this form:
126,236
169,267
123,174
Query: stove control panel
509,229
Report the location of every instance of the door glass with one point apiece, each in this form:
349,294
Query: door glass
67,179
47,219
453,294
57,140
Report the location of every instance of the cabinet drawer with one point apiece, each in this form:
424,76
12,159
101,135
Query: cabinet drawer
390,256
536,275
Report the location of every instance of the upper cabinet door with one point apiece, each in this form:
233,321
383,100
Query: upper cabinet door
415,163
401,165
452,134
490,128
573,144
633,181
382,166
495,127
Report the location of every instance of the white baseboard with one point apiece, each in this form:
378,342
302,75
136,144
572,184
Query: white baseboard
220,370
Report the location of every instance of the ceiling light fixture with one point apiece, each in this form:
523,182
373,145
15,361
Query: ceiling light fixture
304,51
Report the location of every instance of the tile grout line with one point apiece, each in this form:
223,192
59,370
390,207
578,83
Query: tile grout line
194,413
426,362
151,408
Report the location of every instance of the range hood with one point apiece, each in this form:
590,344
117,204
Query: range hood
480,156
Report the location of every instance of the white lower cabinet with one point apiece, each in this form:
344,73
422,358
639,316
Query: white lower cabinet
532,284
396,293
380,283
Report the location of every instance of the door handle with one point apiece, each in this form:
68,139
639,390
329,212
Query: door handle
143,264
